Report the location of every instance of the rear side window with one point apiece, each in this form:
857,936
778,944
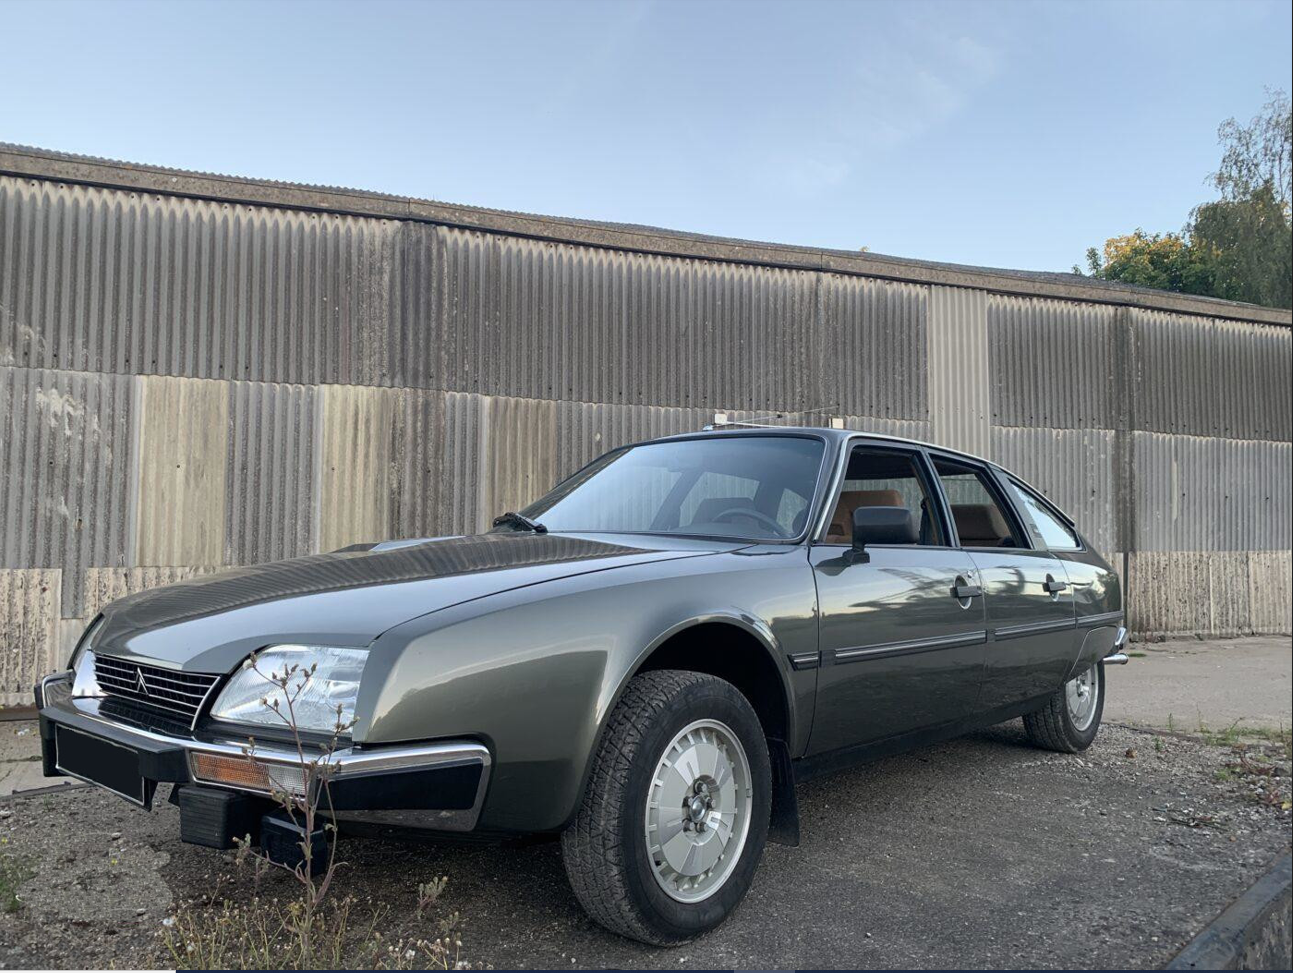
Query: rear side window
981,520
1045,527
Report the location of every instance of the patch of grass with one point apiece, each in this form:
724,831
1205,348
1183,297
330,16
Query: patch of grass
1223,775
310,929
1227,737
13,872
1137,655
265,935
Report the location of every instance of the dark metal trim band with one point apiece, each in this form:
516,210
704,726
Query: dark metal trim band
1090,621
1033,628
909,647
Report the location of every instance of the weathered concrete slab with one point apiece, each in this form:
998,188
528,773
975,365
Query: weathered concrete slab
183,452
29,611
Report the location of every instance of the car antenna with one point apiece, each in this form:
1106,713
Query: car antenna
723,420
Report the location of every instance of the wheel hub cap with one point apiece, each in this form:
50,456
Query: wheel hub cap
698,811
1081,693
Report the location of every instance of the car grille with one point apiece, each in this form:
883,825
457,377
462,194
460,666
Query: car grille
179,694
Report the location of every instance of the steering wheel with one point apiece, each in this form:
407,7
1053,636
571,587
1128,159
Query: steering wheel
752,514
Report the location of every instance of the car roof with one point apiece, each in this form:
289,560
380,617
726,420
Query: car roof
836,436
830,434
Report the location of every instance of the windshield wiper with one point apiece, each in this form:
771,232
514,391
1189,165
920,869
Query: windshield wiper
520,520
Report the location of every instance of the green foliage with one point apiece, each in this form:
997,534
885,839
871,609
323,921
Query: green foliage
13,872
1252,248
1167,261
1238,247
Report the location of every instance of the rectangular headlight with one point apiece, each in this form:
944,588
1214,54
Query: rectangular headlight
322,687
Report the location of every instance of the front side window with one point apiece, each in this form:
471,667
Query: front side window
742,487
1045,527
879,477
981,519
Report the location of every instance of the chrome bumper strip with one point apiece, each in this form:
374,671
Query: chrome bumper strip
346,763
1116,656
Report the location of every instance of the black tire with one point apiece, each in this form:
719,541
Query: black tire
1052,727
604,850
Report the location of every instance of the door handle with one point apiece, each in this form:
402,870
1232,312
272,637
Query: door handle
1055,587
962,591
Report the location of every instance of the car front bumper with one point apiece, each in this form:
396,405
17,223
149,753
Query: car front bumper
436,786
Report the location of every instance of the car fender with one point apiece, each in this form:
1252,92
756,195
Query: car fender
534,672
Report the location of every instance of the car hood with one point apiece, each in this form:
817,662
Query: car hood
349,597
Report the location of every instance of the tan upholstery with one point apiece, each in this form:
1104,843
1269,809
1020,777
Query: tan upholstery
850,500
980,524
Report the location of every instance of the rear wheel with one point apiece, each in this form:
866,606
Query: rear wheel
1070,719
672,826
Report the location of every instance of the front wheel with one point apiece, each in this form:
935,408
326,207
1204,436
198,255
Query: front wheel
1071,717
673,823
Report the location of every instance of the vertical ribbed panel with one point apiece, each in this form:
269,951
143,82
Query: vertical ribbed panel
1177,593
1203,494
460,466
1074,468
385,378
29,613
535,319
183,457
354,450
112,281
587,430
518,454
65,465
758,340
903,428
880,342
417,449
1050,363
1270,591
959,414
269,506
1202,377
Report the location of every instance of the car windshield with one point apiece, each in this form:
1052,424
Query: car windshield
744,487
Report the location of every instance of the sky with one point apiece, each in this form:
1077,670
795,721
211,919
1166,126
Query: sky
1001,134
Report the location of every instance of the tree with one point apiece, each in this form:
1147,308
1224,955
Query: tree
1249,227
1240,246
1167,261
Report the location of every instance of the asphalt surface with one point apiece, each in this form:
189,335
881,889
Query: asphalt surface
982,852
1190,684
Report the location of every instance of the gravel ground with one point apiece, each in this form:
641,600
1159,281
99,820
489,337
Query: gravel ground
979,853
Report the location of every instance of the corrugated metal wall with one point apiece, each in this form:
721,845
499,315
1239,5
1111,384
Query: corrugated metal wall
187,383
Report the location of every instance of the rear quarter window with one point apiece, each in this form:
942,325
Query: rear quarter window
1045,526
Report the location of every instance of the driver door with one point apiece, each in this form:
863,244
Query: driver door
899,652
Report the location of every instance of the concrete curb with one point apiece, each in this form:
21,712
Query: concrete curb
1253,933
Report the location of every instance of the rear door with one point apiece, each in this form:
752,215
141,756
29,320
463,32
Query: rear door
899,650
1028,597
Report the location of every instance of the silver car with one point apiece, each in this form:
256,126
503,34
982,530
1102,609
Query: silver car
644,662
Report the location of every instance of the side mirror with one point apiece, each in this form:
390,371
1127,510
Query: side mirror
882,525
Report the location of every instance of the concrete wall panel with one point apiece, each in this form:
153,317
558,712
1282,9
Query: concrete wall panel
183,451
269,508
354,449
1051,363
1209,494
65,465
959,407
1073,467
518,454
29,613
